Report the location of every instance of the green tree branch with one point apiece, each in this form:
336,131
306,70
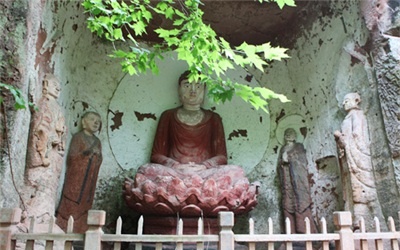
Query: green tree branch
208,56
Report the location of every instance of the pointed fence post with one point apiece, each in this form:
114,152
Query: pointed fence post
96,219
226,235
9,218
343,223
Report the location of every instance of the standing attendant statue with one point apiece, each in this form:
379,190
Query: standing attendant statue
45,153
293,175
83,164
360,196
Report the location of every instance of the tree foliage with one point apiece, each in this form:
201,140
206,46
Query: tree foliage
19,101
208,56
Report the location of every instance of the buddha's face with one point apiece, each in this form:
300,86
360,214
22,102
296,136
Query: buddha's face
350,102
53,88
191,93
91,123
290,135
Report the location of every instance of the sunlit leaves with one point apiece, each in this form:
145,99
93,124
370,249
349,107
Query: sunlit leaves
281,3
19,101
207,55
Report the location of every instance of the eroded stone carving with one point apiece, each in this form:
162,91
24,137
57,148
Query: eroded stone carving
45,152
188,174
359,190
47,126
293,175
83,164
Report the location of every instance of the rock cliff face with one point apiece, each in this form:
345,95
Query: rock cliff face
13,125
382,58
335,49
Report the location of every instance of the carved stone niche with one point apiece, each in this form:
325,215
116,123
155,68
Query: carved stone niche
328,192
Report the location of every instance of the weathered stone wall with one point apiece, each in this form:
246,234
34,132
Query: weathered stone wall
325,64
382,20
14,124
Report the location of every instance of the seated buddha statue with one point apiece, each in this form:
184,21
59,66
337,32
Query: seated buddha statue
188,172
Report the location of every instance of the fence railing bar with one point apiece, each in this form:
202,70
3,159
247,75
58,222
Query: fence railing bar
363,243
70,225
289,244
146,238
96,220
308,231
286,237
378,242
50,243
31,242
138,246
393,242
118,230
179,245
70,230
51,224
46,236
324,230
252,245
226,239
200,226
200,231
374,236
270,232
343,222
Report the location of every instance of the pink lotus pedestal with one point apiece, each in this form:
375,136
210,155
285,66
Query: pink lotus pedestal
189,196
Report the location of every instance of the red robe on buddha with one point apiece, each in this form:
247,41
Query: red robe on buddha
203,143
162,188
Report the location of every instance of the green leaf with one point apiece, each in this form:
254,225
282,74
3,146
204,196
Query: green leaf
16,93
147,15
130,69
178,22
276,53
169,13
115,5
162,32
139,28
119,53
162,6
118,34
180,14
290,3
87,5
269,94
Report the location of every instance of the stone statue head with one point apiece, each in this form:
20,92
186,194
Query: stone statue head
91,122
290,135
351,101
51,86
190,94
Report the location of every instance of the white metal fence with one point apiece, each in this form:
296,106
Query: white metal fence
343,238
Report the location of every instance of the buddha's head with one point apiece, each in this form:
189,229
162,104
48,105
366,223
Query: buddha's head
51,86
351,101
191,94
91,122
290,135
